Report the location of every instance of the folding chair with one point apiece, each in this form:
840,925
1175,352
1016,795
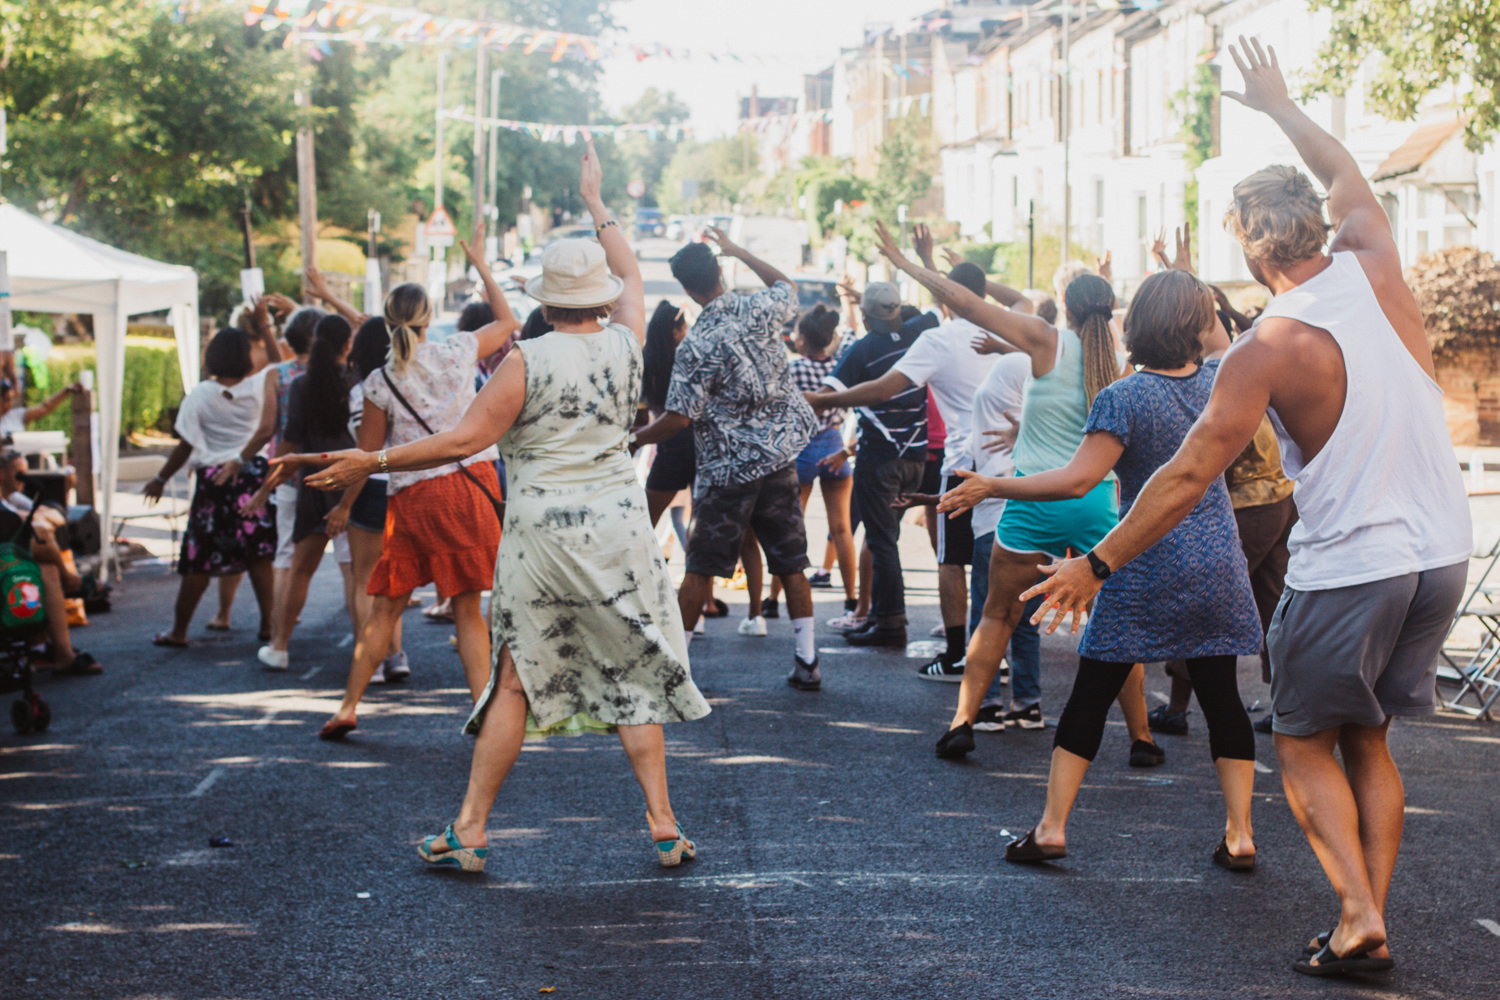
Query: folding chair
173,505
1480,674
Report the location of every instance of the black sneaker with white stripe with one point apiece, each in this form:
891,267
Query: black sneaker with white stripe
991,719
942,669
1029,717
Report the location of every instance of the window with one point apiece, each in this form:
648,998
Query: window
1099,198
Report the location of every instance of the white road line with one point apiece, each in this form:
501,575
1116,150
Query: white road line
1490,926
208,782
310,674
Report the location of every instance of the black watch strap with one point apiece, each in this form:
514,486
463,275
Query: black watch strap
1099,566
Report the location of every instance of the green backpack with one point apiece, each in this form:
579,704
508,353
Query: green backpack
20,586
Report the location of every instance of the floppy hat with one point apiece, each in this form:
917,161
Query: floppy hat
574,275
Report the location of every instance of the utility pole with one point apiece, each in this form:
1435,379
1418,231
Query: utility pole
437,163
479,115
1067,130
494,157
307,176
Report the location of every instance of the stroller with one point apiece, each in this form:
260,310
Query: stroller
22,617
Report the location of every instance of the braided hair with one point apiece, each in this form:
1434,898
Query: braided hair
1090,302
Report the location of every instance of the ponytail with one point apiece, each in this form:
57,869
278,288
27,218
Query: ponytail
1090,302
325,385
407,309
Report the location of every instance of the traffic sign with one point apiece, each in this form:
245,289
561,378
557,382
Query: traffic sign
438,224
636,188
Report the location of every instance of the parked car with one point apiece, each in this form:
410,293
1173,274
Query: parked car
649,222
677,227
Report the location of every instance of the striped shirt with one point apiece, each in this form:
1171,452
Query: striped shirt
896,428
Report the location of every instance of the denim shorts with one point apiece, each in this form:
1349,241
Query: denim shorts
825,443
368,510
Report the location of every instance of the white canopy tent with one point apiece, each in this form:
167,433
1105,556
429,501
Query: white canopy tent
55,270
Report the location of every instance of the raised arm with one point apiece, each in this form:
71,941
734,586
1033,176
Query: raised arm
1034,336
260,318
491,336
630,307
319,287
1241,394
1003,294
1095,457
51,403
1358,219
765,272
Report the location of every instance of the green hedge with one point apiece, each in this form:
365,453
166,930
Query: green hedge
153,383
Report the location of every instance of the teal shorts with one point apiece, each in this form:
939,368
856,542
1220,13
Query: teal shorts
1057,527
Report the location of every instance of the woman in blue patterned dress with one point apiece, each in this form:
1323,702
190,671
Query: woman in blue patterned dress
1188,597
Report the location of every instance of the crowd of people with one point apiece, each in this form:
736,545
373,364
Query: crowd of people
1070,456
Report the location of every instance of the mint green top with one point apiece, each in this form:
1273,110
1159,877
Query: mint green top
1054,411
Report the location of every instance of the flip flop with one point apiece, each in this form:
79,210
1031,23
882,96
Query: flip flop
1329,964
336,730
1025,850
218,628
1322,942
1233,862
163,639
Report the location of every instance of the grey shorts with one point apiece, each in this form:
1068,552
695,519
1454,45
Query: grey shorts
1355,655
772,505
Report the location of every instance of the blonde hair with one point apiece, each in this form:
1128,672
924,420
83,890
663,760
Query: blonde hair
407,308
1090,302
1277,216
1064,275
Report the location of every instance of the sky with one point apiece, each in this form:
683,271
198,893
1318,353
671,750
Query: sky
803,36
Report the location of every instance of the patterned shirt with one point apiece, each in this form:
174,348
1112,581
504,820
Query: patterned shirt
732,379
808,375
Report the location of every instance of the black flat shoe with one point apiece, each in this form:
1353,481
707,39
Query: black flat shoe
1321,943
1143,754
1025,850
1329,964
721,610
956,742
1233,862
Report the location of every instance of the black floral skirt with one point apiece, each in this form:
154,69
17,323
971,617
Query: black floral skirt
219,540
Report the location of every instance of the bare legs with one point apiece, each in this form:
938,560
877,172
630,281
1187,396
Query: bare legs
1133,704
696,588
292,586
369,650
1011,574
836,494
228,587
473,641
499,745
188,595
1352,817
365,547
755,571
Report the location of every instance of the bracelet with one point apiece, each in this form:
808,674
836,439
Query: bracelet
601,227
380,460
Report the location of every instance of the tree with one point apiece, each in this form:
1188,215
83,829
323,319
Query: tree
718,167
1458,290
904,171
1423,46
649,153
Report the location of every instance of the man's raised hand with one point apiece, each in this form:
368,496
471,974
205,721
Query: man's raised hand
1265,87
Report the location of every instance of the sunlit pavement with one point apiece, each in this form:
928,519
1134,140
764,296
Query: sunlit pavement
838,857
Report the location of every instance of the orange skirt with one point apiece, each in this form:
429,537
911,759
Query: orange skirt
443,531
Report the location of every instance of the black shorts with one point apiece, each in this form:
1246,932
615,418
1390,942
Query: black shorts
772,505
955,532
675,464
932,476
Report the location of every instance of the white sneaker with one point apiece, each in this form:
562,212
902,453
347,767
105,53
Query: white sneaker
274,659
753,626
378,677
396,667
938,631
847,622
701,628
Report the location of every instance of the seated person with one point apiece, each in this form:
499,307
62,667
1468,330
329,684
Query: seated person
59,577
15,414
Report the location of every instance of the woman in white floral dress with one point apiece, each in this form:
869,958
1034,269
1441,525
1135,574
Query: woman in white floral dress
584,617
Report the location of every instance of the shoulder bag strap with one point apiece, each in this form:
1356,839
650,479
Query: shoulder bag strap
499,505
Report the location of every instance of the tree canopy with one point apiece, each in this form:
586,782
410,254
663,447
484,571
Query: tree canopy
1423,46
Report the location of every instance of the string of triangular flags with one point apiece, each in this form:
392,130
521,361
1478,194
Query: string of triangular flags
549,132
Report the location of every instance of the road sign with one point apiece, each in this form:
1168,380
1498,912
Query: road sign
438,224
636,188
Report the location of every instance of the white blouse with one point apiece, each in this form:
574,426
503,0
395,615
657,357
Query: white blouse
218,421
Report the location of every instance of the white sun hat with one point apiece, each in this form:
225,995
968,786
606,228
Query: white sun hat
575,275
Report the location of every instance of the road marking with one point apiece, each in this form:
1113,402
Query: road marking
1490,926
265,720
310,674
208,782
346,641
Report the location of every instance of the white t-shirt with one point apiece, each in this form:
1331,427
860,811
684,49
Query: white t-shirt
356,417
438,382
1002,390
219,422
944,360
13,421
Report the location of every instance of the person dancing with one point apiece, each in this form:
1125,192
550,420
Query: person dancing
1380,554
586,628
1188,597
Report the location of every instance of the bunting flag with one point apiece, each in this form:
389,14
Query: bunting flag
569,134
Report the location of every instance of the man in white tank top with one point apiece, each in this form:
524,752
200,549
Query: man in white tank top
1378,560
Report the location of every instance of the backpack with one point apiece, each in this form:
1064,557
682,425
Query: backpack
20,585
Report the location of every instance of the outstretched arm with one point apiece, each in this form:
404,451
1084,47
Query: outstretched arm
869,393
1096,455
1034,336
1242,392
630,307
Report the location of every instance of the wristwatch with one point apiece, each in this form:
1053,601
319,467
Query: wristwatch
380,461
1099,566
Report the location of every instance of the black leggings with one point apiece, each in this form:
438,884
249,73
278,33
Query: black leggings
1099,682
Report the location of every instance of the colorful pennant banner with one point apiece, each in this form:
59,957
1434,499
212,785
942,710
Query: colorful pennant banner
548,132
